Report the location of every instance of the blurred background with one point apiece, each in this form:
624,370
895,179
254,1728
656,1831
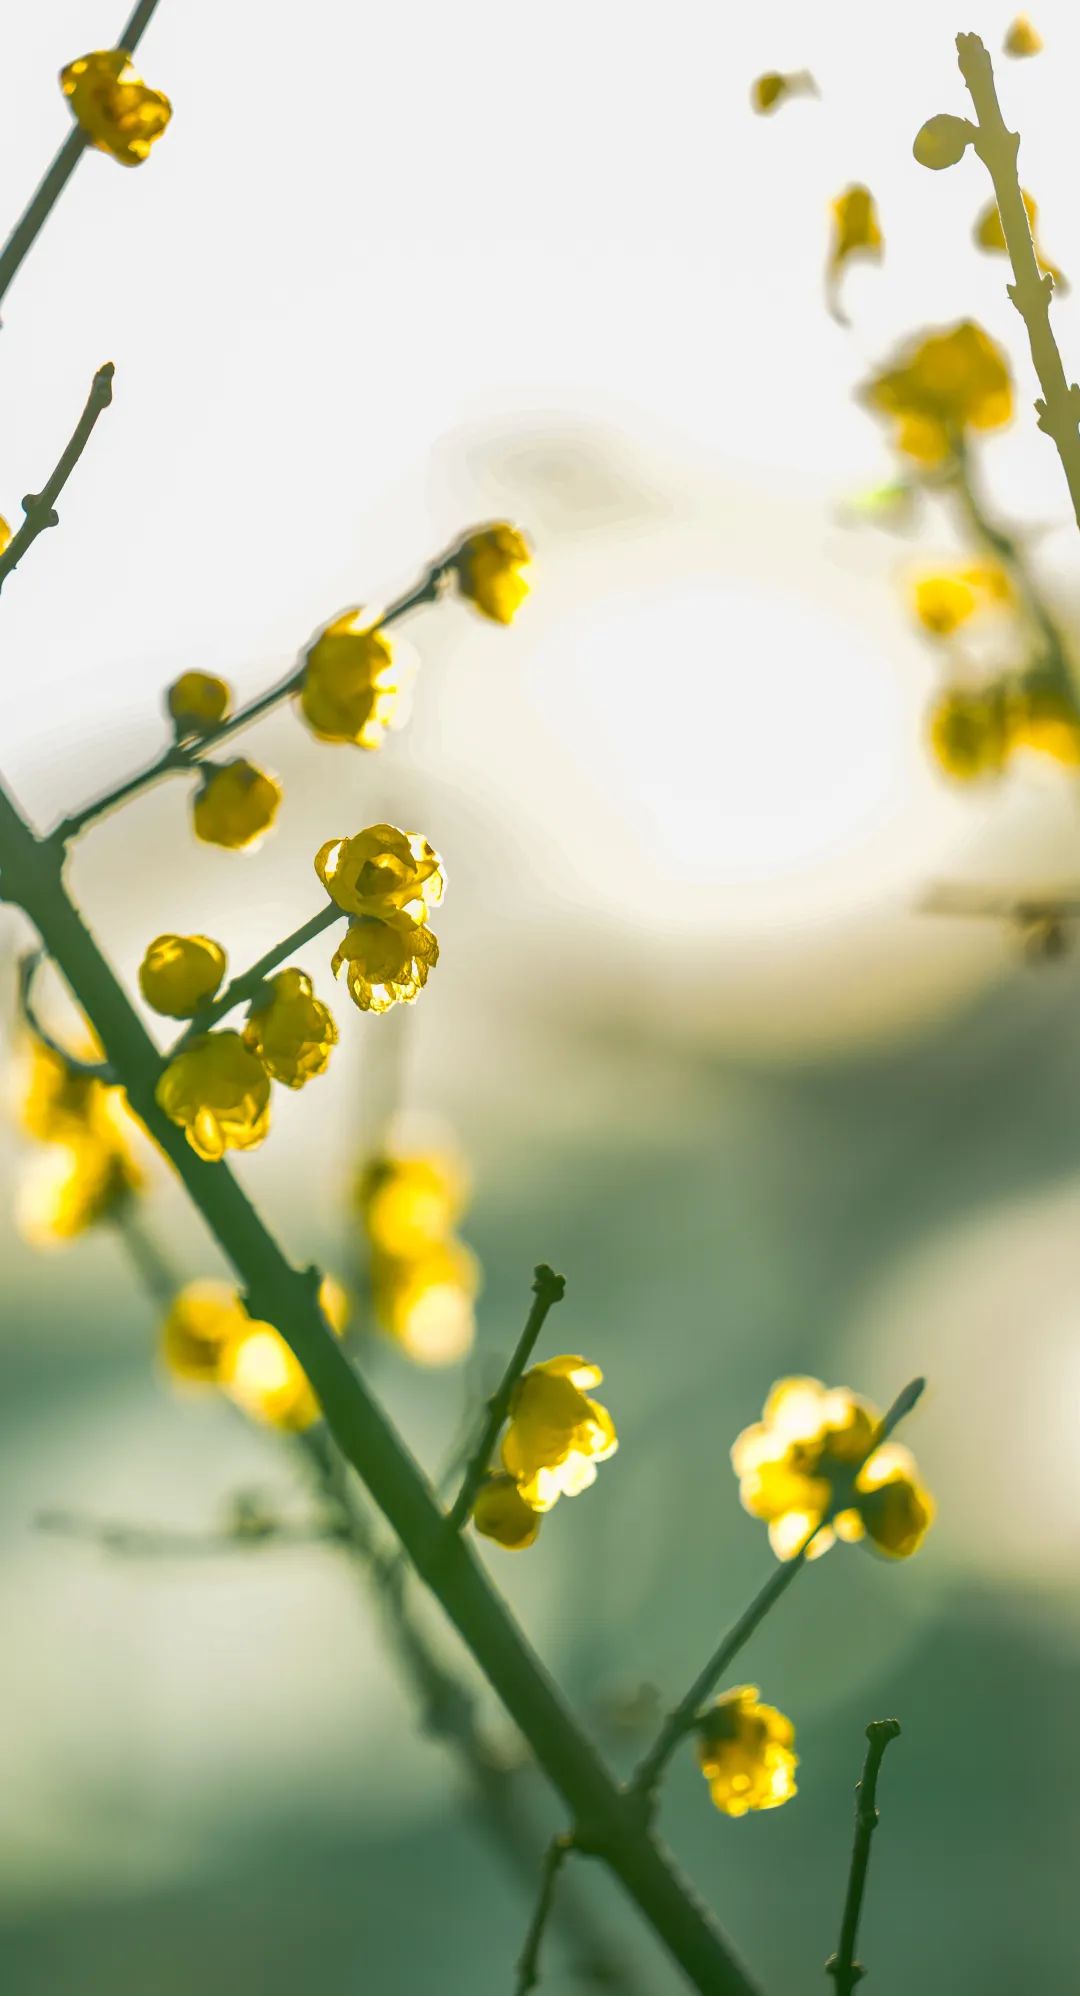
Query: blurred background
392,272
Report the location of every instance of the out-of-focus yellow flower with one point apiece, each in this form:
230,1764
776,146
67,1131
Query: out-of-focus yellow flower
493,571
218,1092
941,385
408,1204
5,534
235,804
202,1322
856,231
116,109
73,1185
179,974
1042,716
988,234
556,1435
290,1029
1022,38
811,1456
943,599
58,1101
264,1377
380,870
351,684
425,1301
745,1751
387,962
501,1513
969,735
197,702
774,88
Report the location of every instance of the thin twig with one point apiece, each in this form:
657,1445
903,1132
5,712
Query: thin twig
163,1542
963,484
39,508
681,1719
188,755
548,1289
87,1070
842,1965
528,1968
29,226
247,984
1059,410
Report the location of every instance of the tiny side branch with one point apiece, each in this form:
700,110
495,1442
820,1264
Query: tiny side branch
842,1965
39,508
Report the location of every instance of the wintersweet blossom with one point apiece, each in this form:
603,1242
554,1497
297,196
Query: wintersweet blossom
812,1459
218,1091
745,1752
198,702
556,1435
119,113
941,385
351,684
235,804
180,974
292,1032
500,1512
493,571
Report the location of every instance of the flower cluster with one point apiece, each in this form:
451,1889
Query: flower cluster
86,1170
555,1437
812,1469
745,1753
118,112
387,881
938,388
424,1280
208,1339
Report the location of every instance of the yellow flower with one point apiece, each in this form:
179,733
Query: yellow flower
115,108
235,804
968,734
5,534
1042,717
1022,38
988,234
745,1751
58,1101
219,1094
493,571
941,385
501,1513
265,1378
856,231
380,870
942,600
197,702
556,1435
202,1322
811,1456
179,974
291,1030
351,685
408,1204
768,92
73,1185
425,1301
387,960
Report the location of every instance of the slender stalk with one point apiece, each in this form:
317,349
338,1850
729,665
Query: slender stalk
1059,410
528,1968
88,1070
188,755
130,1541
548,1289
247,984
39,508
681,1719
842,1965
964,486
29,226
278,1292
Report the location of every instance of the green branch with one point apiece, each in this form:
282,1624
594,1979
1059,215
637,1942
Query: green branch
528,1969
842,1965
548,1289
188,755
682,1718
39,508
1031,291
278,1292
241,988
961,481
29,226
